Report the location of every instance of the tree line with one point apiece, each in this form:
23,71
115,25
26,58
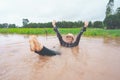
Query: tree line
62,24
6,25
65,24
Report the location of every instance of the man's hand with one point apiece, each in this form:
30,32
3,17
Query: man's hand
86,24
54,23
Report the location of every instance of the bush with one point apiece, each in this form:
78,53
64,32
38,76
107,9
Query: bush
98,24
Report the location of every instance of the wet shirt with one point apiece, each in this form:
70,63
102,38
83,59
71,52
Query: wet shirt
65,44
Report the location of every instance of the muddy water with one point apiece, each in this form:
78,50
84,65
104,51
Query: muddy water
98,59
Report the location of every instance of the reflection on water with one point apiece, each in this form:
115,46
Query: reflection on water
10,39
98,59
115,41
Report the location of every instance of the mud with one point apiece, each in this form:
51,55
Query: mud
98,59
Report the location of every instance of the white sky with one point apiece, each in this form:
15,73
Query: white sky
13,11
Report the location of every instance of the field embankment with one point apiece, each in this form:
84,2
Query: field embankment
49,31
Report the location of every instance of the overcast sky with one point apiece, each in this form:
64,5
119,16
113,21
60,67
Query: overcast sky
13,11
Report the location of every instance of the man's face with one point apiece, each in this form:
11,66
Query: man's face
69,39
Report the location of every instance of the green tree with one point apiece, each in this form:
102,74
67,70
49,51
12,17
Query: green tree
109,8
113,21
25,22
1,26
98,24
12,26
5,25
118,11
90,24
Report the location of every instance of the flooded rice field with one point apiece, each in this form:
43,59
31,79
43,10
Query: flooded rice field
98,59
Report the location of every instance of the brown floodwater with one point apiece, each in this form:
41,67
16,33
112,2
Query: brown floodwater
98,59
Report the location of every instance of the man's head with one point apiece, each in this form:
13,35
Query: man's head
69,38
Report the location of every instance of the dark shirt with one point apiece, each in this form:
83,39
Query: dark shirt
65,44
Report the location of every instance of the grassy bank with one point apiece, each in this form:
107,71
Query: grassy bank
89,32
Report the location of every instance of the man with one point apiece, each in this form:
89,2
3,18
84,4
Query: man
68,42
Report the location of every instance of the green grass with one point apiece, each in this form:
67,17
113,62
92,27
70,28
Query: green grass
42,31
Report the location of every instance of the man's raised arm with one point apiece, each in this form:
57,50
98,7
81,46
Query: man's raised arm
56,30
81,32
